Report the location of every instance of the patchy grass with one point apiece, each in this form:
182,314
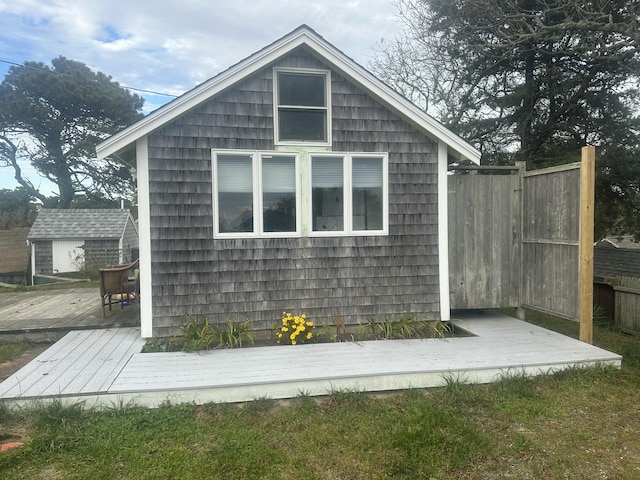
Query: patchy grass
10,351
577,424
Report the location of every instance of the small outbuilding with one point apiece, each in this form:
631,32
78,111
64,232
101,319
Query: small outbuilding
293,181
70,240
616,282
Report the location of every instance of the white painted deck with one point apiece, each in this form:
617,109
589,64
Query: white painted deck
104,367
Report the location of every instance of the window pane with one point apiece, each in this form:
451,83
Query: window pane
279,194
302,125
367,193
327,182
301,89
235,193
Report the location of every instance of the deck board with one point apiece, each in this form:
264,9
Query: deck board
103,367
71,309
35,375
82,362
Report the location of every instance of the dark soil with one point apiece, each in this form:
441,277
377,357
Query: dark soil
33,350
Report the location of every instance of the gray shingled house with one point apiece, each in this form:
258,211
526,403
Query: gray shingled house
295,180
64,240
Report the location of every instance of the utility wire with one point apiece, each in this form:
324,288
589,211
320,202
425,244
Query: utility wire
65,75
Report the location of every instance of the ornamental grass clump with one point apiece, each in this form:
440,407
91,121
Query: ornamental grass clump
294,329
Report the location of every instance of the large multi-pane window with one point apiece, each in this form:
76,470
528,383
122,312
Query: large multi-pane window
301,106
349,193
262,194
250,182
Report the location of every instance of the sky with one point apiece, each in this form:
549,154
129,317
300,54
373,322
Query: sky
171,46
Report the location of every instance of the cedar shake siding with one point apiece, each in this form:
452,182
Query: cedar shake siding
130,243
44,257
358,278
100,253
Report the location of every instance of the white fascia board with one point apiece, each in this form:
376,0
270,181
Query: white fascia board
393,100
201,93
329,54
133,223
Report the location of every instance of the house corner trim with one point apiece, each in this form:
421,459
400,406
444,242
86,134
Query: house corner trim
443,232
144,231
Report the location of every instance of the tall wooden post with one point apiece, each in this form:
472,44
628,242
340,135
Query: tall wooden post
587,205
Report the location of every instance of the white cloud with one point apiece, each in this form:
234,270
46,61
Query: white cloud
169,46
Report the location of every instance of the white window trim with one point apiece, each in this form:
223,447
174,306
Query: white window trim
276,117
348,195
258,197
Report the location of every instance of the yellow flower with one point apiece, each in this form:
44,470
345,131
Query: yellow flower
309,335
309,324
292,336
285,329
293,342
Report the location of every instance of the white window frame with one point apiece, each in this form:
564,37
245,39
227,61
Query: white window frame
348,195
258,194
276,105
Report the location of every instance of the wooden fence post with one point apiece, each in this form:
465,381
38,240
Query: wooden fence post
585,269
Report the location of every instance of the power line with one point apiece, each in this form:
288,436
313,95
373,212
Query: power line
65,75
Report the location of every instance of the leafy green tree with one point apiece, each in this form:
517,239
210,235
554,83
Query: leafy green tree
54,116
16,208
531,80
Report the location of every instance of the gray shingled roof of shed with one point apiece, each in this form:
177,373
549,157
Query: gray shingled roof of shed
616,262
79,223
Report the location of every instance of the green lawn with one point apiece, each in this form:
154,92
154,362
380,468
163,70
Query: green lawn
579,424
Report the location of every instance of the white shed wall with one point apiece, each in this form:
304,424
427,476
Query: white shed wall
68,255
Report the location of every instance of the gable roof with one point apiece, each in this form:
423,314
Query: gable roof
15,253
616,262
330,55
625,241
80,223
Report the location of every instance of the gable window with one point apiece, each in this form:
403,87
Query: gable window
302,107
349,194
250,182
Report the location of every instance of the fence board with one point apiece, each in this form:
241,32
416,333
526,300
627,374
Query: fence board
484,240
627,298
551,226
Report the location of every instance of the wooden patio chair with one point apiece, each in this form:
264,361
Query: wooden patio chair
116,286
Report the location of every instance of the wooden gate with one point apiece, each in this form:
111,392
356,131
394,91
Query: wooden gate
519,238
485,238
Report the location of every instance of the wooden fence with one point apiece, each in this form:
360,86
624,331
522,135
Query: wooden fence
627,298
519,238
551,227
485,239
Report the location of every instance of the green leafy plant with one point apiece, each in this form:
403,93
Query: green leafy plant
294,329
234,334
600,315
440,329
203,335
403,328
197,335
